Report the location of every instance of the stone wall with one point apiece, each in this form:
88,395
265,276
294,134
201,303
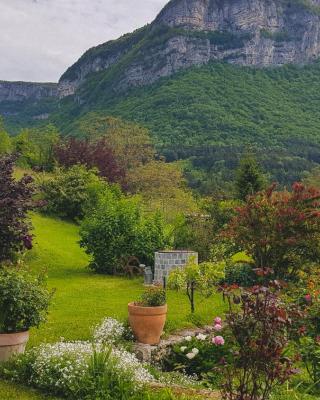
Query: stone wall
165,261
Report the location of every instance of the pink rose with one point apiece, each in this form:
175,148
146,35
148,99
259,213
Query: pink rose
218,341
217,327
218,321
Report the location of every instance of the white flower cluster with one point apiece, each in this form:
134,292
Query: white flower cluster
128,363
61,365
64,364
109,331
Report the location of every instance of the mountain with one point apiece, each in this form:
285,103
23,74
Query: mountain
208,78
193,32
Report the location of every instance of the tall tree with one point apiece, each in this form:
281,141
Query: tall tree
163,188
131,143
97,154
249,177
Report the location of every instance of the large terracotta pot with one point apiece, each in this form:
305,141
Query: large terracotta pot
147,323
12,343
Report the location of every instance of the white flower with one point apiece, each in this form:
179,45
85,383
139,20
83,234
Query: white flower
191,355
195,351
109,331
188,338
202,337
183,349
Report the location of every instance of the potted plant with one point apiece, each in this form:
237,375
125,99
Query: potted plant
24,303
148,315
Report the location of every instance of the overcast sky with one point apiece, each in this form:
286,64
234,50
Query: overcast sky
39,39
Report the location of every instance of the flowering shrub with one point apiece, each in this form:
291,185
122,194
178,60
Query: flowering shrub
83,369
201,356
154,296
258,321
109,331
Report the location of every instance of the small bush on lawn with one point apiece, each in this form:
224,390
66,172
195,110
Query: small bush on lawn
15,202
24,301
118,229
73,192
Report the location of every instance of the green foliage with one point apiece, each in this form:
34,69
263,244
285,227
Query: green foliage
202,278
209,114
118,229
24,301
35,147
5,141
241,274
193,232
154,296
310,354
249,178
276,36
72,193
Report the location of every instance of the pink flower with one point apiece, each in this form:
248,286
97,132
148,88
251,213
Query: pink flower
217,327
308,298
218,321
218,341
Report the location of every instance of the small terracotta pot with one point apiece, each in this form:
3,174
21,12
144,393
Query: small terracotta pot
147,323
12,343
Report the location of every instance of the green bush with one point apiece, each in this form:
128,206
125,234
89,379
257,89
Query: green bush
71,193
118,229
241,274
24,301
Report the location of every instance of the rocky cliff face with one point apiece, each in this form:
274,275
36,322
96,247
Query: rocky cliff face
21,91
257,33
186,33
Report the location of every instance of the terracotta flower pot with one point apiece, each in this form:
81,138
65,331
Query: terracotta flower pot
147,323
12,343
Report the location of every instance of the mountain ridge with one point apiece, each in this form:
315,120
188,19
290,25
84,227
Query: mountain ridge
186,33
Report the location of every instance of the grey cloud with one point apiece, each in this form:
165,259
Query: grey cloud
41,38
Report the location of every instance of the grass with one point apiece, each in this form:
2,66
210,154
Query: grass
8,391
83,298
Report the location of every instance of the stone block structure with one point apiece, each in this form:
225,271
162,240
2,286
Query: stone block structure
165,261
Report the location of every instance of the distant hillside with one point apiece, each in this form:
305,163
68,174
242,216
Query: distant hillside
209,114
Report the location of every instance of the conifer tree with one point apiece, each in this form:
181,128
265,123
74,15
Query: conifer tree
249,177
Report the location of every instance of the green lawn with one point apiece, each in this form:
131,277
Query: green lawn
83,298
9,391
